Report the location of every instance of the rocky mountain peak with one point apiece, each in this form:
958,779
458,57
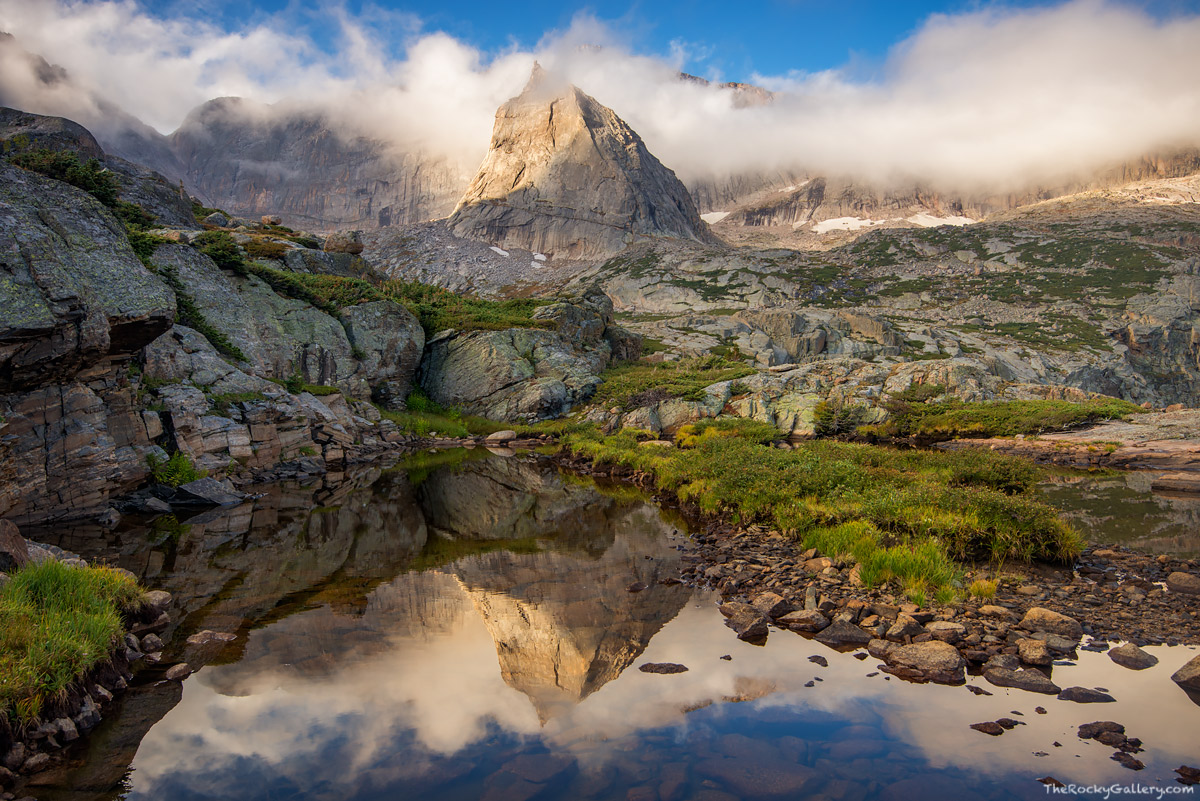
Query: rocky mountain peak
567,177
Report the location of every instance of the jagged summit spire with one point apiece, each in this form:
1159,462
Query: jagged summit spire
567,177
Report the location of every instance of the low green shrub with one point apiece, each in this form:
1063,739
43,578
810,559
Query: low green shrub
833,417
953,419
223,249
176,470
64,165
265,249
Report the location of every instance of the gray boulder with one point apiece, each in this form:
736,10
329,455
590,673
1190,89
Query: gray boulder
934,661
748,622
1188,676
1132,657
1084,695
809,621
515,374
1040,619
1031,680
205,492
841,634
1184,583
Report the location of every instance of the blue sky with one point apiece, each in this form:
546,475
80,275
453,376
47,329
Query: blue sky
734,40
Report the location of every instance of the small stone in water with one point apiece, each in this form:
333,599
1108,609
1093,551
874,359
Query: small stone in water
662,667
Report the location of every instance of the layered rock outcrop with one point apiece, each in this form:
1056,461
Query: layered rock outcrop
371,351
565,176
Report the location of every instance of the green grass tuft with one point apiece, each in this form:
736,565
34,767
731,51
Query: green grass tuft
175,471
56,623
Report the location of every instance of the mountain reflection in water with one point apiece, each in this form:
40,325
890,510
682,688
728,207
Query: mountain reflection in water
466,630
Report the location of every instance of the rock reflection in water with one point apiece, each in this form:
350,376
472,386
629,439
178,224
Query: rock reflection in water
308,578
1121,508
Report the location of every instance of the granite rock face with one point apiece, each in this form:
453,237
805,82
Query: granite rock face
565,176
84,325
73,291
372,351
516,374
75,306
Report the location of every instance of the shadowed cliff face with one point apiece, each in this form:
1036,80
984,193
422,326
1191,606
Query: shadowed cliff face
307,169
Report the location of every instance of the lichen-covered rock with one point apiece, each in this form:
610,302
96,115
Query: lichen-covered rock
1188,676
372,351
71,290
344,242
388,342
1132,657
515,374
934,661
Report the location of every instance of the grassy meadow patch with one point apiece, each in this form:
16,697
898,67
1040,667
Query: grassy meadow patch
639,383
954,419
906,516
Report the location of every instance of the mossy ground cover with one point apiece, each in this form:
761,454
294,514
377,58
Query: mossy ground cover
423,416
626,385
438,309
953,419
56,623
906,516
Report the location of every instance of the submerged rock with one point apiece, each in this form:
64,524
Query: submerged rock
1090,731
663,667
1083,695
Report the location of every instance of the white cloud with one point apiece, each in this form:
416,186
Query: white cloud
990,99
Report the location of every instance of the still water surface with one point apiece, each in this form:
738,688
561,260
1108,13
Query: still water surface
462,628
